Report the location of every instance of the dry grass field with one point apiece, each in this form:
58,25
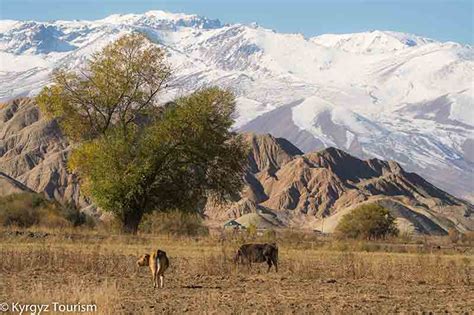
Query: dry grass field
315,276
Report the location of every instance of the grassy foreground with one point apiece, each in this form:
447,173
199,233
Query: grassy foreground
316,275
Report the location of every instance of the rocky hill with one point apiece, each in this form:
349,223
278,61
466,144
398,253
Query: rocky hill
10,186
34,152
283,185
314,190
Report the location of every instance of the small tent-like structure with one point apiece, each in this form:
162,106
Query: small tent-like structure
232,224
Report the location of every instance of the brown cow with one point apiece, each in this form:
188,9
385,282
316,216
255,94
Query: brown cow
258,253
158,263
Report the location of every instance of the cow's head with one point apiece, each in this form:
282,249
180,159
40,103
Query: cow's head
144,260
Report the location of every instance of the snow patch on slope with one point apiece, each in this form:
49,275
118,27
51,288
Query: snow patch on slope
462,107
333,124
375,42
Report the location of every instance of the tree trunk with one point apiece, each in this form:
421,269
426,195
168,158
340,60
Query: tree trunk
131,220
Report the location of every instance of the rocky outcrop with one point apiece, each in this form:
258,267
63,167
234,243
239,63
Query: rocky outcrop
34,152
9,186
305,190
269,153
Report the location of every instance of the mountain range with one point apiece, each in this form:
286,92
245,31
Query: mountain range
377,94
284,187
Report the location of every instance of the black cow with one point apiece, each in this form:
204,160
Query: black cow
258,253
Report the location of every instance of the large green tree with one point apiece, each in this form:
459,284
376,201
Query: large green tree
140,157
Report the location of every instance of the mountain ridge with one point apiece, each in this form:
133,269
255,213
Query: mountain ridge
304,190
294,188
409,98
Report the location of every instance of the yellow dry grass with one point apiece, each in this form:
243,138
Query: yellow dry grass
316,275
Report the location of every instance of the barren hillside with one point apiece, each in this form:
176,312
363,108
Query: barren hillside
311,190
317,188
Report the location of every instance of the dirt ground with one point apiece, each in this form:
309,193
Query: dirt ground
202,279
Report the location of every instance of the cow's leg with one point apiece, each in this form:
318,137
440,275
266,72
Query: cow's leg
153,273
275,263
155,277
162,280
269,262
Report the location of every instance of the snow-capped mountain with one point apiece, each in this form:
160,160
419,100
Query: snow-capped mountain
375,94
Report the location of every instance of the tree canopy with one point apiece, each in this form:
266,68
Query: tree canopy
134,156
116,87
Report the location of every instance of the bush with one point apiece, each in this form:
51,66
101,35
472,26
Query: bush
28,209
252,230
175,222
370,221
78,218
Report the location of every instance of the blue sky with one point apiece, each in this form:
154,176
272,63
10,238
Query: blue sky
439,19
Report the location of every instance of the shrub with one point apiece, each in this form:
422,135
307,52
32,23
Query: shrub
174,222
78,218
28,209
370,221
252,230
